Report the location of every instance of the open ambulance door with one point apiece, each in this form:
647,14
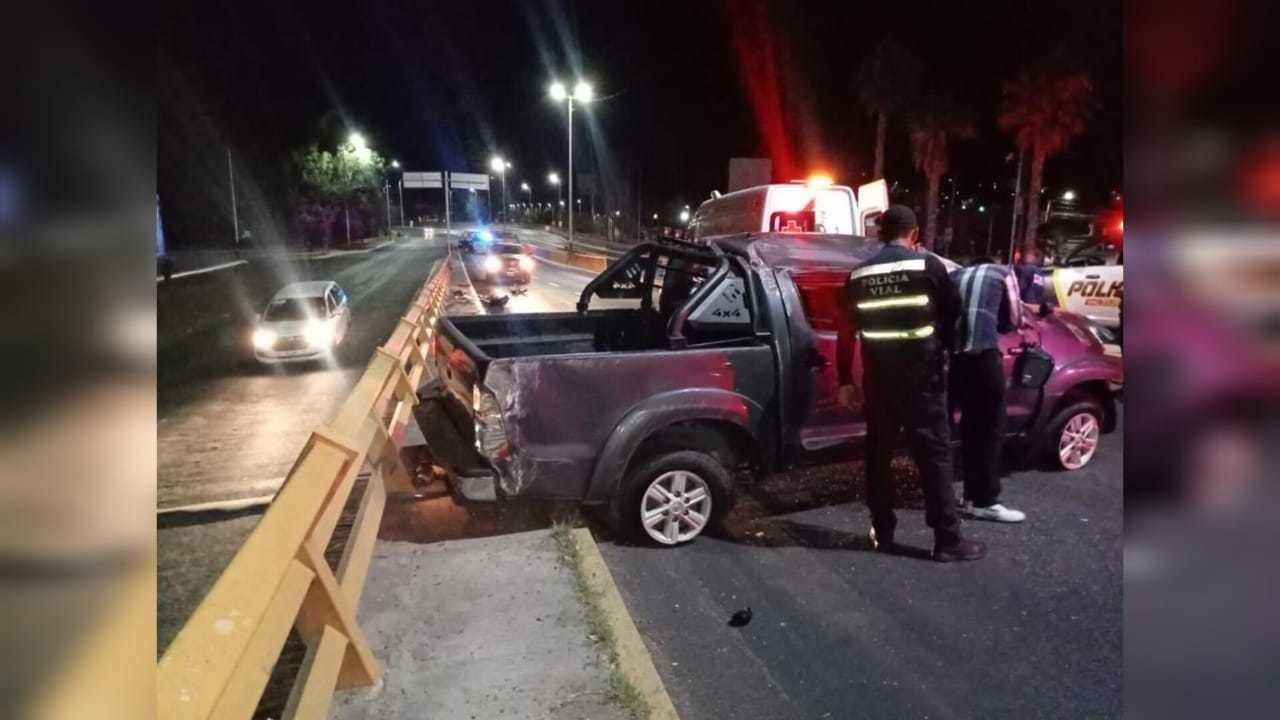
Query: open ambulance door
873,200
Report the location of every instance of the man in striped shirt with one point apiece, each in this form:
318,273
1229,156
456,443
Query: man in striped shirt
990,305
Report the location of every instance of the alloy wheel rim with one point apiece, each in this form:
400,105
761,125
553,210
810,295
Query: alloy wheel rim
1078,441
675,507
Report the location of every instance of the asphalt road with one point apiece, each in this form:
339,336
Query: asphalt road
839,631
230,429
555,287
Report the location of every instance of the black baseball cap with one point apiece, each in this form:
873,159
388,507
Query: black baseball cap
896,222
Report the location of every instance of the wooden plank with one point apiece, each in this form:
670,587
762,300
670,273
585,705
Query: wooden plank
325,605
248,680
313,690
198,663
353,568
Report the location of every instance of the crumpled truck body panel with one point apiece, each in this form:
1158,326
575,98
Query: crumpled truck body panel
560,412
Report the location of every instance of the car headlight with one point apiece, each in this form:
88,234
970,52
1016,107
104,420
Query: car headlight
318,333
263,338
492,264
526,263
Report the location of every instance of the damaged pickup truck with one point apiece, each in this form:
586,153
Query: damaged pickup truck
721,371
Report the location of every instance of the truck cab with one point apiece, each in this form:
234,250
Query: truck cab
721,370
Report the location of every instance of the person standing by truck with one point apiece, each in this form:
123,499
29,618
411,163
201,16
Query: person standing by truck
903,307
990,306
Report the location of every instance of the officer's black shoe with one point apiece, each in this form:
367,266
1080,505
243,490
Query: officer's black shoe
959,550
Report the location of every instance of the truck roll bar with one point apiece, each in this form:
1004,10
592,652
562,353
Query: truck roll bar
622,264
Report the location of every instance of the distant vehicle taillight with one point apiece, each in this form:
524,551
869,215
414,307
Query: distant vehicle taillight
491,436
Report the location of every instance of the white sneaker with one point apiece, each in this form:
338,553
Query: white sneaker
994,513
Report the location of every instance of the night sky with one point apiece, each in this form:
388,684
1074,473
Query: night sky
682,87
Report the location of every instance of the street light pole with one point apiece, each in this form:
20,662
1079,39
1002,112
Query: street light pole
400,183
386,200
581,92
554,179
235,214
1017,205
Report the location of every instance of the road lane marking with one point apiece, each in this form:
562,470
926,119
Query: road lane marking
220,505
203,270
553,263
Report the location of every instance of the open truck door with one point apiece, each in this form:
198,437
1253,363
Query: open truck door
873,200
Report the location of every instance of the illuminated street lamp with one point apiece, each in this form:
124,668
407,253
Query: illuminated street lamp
554,179
500,166
684,216
1069,195
363,155
360,148
583,93
395,164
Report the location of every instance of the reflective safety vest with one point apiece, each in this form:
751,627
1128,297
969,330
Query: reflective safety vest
891,301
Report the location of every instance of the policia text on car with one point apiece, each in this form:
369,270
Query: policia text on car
903,307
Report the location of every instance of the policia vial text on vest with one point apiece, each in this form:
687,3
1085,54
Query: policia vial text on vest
903,307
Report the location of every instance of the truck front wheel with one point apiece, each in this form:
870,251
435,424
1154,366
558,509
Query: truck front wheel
672,498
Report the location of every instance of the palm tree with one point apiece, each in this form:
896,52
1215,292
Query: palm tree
934,122
887,81
1044,108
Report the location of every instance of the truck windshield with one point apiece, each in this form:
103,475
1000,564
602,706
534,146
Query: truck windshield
295,309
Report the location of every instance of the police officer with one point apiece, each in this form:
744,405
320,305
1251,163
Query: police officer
903,307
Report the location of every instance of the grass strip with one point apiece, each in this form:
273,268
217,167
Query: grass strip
621,690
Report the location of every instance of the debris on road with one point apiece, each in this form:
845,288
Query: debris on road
740,618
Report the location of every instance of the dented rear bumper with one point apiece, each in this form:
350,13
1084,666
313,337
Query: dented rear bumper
450,437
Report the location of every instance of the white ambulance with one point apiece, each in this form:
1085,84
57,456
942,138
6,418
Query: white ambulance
813,206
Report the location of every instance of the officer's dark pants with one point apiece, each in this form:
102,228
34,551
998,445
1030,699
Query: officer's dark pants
902,401
977,387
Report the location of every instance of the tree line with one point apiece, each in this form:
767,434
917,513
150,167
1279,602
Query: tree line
1042,109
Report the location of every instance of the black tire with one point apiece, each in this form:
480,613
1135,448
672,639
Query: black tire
1049,443
626,506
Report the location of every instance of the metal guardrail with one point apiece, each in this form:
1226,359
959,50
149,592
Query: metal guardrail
220,662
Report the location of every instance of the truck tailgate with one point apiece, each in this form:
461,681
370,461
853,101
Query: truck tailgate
459,363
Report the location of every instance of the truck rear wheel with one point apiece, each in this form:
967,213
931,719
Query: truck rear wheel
671,498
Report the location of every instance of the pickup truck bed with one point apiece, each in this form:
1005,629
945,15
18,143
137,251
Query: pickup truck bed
491,337
564,382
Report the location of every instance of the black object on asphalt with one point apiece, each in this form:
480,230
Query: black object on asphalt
740,618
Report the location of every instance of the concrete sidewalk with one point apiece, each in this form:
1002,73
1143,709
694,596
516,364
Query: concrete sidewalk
479,628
